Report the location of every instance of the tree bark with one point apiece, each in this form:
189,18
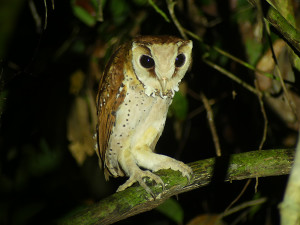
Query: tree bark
135,200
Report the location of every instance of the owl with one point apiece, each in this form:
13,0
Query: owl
134,95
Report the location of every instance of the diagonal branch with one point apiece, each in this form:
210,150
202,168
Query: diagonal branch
135,200
288,31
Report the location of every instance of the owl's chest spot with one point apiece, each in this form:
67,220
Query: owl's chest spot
135,116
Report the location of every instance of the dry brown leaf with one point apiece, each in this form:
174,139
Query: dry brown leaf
267,64
270,86
81,128
76,82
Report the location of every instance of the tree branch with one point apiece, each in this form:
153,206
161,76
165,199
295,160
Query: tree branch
288,31
136,200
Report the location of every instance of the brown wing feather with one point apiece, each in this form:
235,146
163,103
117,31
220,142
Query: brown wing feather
110,95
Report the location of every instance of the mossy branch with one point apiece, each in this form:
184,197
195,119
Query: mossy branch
136,200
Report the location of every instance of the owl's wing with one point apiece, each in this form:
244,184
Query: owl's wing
110,95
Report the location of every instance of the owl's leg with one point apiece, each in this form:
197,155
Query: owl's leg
149,160
135,174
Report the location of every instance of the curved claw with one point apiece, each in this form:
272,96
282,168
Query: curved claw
189,177
185,170
138,176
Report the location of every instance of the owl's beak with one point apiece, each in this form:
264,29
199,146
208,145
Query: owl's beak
163,83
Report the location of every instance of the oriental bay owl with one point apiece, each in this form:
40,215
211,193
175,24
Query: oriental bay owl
134,95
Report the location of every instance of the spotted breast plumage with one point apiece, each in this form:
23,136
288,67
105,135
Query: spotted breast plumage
134,95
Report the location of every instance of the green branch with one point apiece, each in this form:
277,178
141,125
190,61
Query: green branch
136,200
288,31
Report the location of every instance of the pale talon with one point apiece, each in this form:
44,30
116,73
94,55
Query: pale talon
139,177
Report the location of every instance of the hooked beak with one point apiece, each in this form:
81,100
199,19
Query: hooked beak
163,83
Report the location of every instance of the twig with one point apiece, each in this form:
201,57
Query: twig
263,111
195,36
261,102
210,118
100,11
244,205
159,11
46,15
227,54
286,93
35,15
243,63
171,5
244,214
237,198
230,75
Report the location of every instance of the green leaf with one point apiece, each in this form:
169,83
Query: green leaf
254,50
159,11
172,209
83,15
179,107
296,62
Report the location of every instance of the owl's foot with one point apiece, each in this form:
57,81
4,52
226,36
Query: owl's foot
176,165
138,176
157,162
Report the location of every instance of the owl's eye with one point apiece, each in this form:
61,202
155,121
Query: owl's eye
146,61
180,60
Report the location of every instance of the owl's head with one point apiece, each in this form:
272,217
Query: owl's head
160,62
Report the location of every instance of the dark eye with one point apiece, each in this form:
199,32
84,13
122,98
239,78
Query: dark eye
180,60
146,61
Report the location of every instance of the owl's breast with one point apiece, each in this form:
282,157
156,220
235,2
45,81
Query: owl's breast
136,116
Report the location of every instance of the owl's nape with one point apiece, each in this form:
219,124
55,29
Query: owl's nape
134,95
